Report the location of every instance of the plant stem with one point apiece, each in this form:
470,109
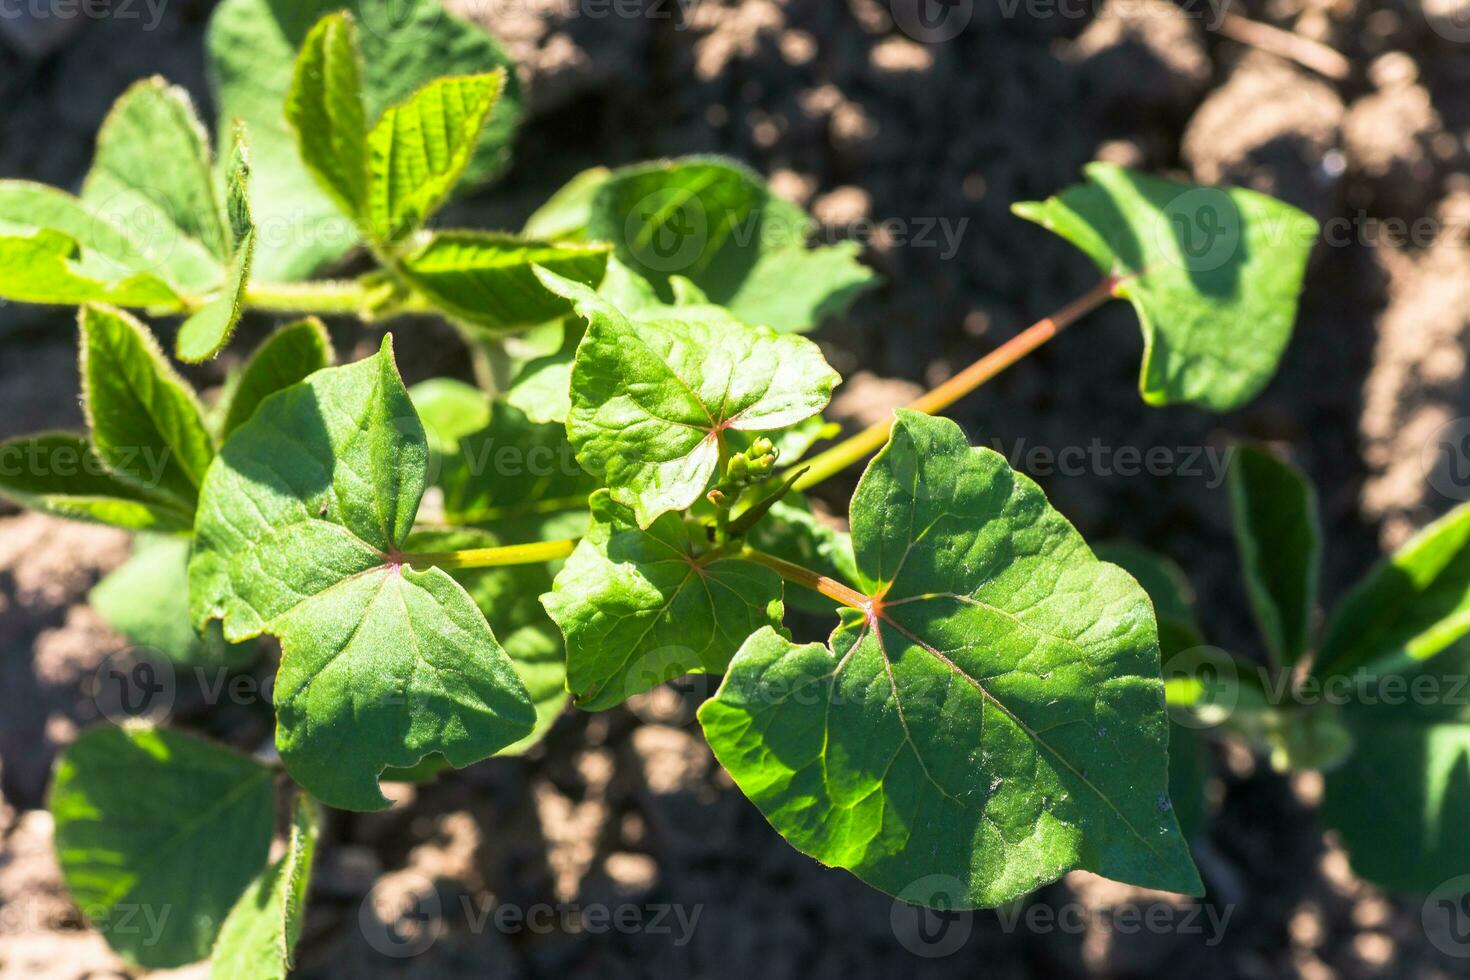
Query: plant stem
858,447
829,587
515,554
319,296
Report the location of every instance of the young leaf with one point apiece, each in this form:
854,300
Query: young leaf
640,607
486,279
653,402
258,939
1410,608
512,596
205,334
289,355
300,534
994,713
564,216
54,250
1401,801
152,175
59,473
146,423
252,48
162,828
1279,538
420,147
1213,273
715,223
324,108
147,600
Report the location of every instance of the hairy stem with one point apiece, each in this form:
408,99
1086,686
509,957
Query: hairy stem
514,554
860,446
829,587
328,297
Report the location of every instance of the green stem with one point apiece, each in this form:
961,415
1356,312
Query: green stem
862,445
829,587
329,297
514,554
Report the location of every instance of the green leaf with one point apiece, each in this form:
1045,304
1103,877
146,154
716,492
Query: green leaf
420,147
59,473
147,600
486,278
542,385
252,48
53,249
324,108
449,410
1413,606
1279,537
565,214
652,402
510,598
1189,767
146,423
792,532
206,333
259,937
716,223
153,175
1213,273
995,714
1402,800
300,534
289,355
49,267
158,833
640,607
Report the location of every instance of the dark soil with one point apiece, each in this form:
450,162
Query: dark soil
861,123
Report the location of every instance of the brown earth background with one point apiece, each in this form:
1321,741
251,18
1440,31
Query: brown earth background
856,120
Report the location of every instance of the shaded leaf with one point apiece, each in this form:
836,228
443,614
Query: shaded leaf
259,936
146,423
564,216
300,534
158,833
324,107
59,473
289,355
640,607
1214,275
995,713
1279,537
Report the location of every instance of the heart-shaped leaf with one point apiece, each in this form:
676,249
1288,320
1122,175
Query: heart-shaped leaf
487,279
300,533
1279,538
252,45
259,937
158,833
652,402
1213,273
642,606
994,713
145,420
716,224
